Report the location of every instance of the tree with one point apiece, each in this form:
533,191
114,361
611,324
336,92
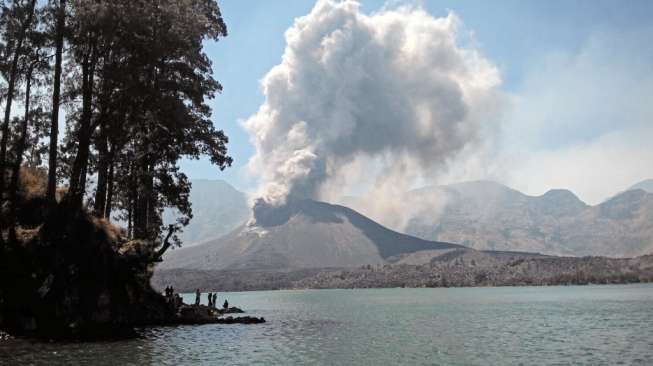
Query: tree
16,29
56,91
134,80
34,64
85,45
143,79
152,89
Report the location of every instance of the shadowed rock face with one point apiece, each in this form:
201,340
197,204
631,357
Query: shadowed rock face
301,234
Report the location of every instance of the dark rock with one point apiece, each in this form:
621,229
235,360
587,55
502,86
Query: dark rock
4,336
201,314
231,310
196,314
240,320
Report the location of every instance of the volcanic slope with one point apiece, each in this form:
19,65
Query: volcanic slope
302,234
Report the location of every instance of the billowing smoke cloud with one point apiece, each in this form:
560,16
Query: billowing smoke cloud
389,97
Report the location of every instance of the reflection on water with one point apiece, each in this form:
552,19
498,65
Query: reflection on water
472,326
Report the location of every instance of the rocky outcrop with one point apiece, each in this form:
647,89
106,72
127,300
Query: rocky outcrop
70,275
200,314
75,276
231,310
240,320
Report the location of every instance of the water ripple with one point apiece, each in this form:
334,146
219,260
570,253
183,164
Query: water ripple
593,325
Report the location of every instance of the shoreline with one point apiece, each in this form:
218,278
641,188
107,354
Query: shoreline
454,269
449,287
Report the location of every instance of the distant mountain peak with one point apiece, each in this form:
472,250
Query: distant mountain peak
559,203
559,192
218,208
561,195
646,185
625,205
489,216
631,195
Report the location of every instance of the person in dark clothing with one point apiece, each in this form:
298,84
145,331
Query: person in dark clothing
225,305
197,297
215,300
210,300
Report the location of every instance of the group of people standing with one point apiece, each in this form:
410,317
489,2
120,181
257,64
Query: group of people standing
169,291
173,298
213,298
176,299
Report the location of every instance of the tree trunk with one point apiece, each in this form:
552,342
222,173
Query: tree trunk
80,165
107,206
132,200
13,74
102,146
102,174
20,148
54,123
141,208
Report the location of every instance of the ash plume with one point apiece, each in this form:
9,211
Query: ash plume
369,96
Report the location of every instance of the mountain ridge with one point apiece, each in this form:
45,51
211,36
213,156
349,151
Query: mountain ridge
310,244
490,216
484,215
646,185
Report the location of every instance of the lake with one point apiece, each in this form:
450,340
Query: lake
593,325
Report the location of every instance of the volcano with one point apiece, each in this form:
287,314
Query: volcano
301,234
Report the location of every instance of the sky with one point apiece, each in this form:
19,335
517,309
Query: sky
576,76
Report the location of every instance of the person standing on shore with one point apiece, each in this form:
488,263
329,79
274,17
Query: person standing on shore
215,299
197,297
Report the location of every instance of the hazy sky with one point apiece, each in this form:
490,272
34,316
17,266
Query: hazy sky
577,75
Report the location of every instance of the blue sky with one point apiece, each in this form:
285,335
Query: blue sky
529,41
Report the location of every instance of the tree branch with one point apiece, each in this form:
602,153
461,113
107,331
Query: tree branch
166,244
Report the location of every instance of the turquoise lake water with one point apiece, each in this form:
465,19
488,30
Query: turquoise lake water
590,325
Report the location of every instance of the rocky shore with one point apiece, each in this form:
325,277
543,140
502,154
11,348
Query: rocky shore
202,314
